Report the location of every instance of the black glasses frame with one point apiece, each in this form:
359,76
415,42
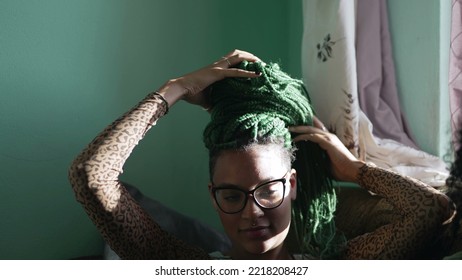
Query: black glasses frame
283,180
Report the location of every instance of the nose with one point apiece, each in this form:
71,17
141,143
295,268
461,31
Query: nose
251,209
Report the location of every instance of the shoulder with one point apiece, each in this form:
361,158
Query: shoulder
217,255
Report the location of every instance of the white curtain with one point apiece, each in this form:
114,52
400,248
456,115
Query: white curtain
455,71
348,70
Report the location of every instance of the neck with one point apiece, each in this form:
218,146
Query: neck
279,253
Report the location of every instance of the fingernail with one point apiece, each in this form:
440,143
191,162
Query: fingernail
258,73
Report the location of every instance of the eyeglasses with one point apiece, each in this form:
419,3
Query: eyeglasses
268,195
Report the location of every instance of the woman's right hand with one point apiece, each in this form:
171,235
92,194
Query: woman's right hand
191,87
345,166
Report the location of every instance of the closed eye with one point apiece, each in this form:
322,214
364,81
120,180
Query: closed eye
268,192
232,198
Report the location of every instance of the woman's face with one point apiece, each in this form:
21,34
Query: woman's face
255,231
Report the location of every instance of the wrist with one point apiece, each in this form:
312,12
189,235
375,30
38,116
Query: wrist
354,173
172,91
363,171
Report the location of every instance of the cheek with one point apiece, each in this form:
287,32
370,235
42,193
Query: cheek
281,216
230,222
280,224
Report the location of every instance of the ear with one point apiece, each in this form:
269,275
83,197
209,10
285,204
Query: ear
293,184
211,196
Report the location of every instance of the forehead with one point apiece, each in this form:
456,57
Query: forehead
249,167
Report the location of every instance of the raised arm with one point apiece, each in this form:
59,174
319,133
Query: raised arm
423,210
94,174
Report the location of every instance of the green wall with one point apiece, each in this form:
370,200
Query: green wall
420,35
69,68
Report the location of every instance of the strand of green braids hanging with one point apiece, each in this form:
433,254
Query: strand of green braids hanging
246,110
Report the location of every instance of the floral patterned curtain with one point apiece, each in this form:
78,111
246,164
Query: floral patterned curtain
348,69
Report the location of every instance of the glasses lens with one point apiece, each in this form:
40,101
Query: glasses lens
230,200
270,195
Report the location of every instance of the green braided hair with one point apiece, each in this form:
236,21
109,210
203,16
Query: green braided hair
260,110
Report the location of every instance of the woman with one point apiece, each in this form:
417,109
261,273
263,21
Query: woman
252,183
453,189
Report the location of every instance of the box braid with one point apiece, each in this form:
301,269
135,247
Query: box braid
259,111
454,181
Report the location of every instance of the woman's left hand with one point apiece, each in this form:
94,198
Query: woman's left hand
196,82
192,87
345,166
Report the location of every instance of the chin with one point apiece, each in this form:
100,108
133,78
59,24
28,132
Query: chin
260,247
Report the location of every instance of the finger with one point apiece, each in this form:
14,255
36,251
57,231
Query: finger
305,129
313,137
317,123
230,61
240,73
327,142
243,54
302,137
236,58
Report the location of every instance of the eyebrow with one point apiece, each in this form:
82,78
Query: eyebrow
229,185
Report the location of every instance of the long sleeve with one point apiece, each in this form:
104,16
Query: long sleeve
94,176
422,210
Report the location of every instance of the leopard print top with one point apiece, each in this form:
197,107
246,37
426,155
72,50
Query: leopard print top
422,212
127,228
132,234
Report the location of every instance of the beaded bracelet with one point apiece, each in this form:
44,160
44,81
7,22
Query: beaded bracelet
163,100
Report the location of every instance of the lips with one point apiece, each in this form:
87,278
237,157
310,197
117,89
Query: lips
255,232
